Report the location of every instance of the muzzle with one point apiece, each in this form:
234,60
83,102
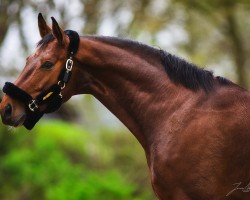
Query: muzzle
52,97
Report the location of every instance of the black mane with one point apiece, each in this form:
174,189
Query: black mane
179,70
187,74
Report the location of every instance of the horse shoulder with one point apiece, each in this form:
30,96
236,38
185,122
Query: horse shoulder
192,157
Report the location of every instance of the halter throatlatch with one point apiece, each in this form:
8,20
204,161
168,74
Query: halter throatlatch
52,96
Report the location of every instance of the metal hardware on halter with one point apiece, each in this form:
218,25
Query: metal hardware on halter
69,64
61,84
32,105
65,76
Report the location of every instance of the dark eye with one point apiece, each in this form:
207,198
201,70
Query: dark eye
47,65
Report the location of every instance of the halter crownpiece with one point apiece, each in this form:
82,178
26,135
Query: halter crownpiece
52,96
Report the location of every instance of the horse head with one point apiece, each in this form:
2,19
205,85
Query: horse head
39,87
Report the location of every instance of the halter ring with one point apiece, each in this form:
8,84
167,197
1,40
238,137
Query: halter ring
61,84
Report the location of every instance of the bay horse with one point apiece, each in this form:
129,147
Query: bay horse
194,127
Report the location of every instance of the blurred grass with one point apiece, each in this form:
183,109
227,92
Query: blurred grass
57,161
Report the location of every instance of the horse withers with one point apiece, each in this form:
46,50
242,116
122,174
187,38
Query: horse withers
193,126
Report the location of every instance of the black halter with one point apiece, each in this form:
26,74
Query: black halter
52,96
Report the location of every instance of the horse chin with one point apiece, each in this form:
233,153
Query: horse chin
19,122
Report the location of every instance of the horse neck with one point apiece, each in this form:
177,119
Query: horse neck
131,83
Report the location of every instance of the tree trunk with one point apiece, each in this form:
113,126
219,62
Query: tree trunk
238,50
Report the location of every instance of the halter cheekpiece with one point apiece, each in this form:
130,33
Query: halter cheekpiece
52,96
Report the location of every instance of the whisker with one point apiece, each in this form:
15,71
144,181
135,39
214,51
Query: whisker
11,129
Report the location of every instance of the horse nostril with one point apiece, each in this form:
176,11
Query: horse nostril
8,110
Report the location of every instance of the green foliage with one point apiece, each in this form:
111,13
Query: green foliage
59,161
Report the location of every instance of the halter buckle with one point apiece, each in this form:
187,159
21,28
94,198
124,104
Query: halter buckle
69,64
32,105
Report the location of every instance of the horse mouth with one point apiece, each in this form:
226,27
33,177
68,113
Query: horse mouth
15,123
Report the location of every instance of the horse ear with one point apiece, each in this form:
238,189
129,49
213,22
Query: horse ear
44,29
58,32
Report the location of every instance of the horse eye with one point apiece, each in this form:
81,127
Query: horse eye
47,65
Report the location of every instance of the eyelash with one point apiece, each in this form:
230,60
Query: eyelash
47,65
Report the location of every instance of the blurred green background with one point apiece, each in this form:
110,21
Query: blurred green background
82,151
63,161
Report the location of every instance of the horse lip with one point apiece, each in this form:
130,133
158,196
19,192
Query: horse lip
15,123
8,122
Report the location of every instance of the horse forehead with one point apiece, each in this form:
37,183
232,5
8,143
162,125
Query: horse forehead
51,50
33,57
42,53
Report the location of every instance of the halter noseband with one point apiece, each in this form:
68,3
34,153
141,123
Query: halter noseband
52,96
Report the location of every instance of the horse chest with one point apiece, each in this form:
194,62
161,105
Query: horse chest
176,169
